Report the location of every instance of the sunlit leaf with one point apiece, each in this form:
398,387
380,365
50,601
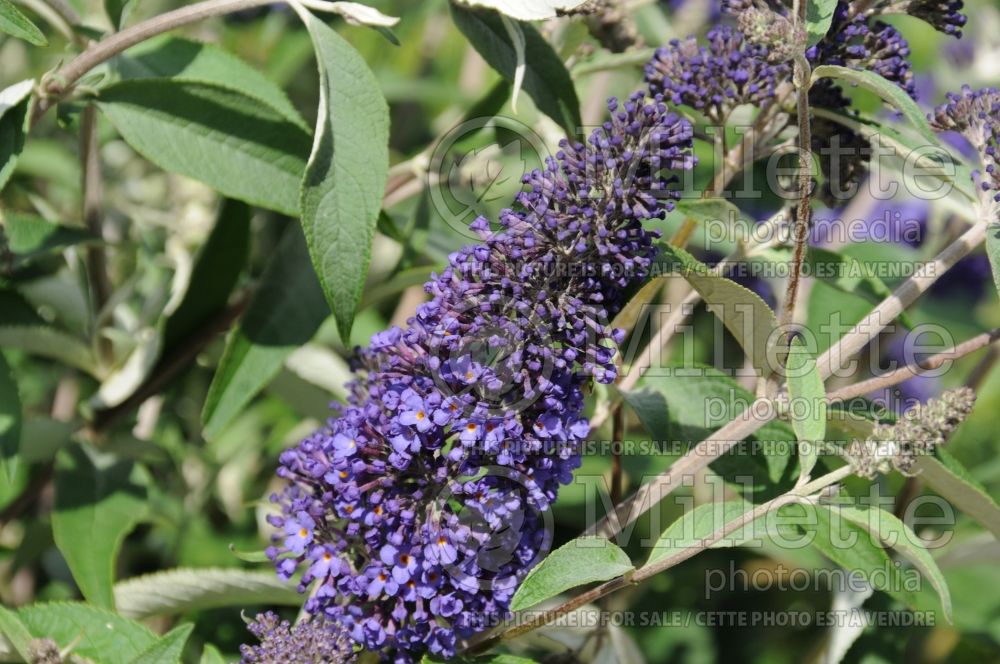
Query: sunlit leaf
583,560
233,142
345,180
98,502
546,80
16,24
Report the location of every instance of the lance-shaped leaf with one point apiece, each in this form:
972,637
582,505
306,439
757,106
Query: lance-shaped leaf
167,649
807,404
845,543
22,328
98,502
742,311
97,634
993,251
235,143
214,275
819,16
14,103
933,159
183,590
29,238
10,420
950,479
697,524
180,59
893,533
16,24
345,180
545,77
891,93
849,275
584,560
287,309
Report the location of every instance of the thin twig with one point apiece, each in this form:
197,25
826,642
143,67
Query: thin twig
911,370
803,217
63,81
833,360
660,565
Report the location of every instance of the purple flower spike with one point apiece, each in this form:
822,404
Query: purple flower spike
420,508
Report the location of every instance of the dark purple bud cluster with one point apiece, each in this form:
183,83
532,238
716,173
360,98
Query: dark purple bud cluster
851,42
854,42
976,116
417,511
312,640
944,15
716,78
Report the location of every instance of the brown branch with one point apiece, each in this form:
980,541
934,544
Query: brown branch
912,370
64,80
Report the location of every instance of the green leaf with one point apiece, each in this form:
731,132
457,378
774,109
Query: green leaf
118,11
807,404
232,142
216,270
846,544
14,630
168,648
819,16
849,275
742,311
345,180
16,24
92,632
950,479
546,79
10,420
944,165
285,313
183,590
22,328
686,404
993,251
891,93
30,237
48,342
259,556
894,533
651,406
184,60
709,209
695,525
14,103
584,560
98,502
211,655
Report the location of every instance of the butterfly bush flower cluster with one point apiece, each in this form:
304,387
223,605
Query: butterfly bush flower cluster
714,79
309,641
414,514
917,433
976,116
854,40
